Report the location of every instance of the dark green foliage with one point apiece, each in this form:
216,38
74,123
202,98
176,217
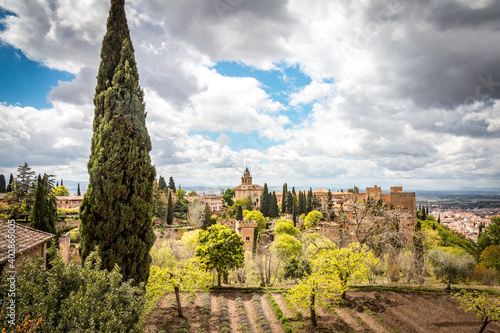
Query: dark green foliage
44,212
228,197
159,204
171,184
170,209
239,213
10,186
206,219
72,298
309,201
116,211
490,235
207,311
294,215
302,204
297,268
224,316
265,201
283,198
162,184
274,209
255,239
78,190
289,203
264,323
450,238
3,185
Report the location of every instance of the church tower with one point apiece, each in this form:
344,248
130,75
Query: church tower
246,179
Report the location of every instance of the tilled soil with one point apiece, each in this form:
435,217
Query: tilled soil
364,311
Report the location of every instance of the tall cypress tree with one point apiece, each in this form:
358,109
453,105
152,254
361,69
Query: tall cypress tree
283,198
170,209
274,209
309,201
2,184
289,203
239,213
78,190
43,213
116,211
171,184
10,187
161,183
265,203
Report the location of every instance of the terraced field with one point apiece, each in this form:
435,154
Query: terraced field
365,311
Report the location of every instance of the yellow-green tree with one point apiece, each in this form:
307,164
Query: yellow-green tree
323,286
284,226
487,308
187,276
312,219
60,191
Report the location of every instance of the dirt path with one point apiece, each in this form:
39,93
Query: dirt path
233,311
270,314
251,314
214,317
347,318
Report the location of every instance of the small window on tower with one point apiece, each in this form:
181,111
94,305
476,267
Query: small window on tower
248,238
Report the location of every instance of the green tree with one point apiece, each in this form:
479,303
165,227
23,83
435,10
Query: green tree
116,211
258,217
491,257
274,210
78,190
265,201
309,201
220,249
191,193
490,235
239,213
289,203
60,191
171,183
228,197
245,203
186,276
74,298
159,202
3,185
44,212
487,308
451,265
170,209
206,219
312,219
321,287
283,198
24,181
10,186
284,226
162,184
180,193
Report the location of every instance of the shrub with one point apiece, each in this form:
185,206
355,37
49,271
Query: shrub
71,298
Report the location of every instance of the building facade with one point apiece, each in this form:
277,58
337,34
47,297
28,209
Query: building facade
247,188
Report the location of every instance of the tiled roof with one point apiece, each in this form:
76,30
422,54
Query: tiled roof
246,187
70,197
26,239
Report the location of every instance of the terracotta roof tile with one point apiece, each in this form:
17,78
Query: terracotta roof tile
26,239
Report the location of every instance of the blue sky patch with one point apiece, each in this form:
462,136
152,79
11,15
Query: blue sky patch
27,82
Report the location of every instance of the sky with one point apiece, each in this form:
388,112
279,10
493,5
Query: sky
313,93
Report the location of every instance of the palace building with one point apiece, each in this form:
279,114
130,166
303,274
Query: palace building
248,189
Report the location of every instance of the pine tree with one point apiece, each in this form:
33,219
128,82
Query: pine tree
265,202
283,198
78,190
116,211
44,211
171,184
2,184
10,187
170,209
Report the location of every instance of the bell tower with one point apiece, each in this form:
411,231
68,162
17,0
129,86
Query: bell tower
246,179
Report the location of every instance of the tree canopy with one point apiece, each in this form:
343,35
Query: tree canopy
220,248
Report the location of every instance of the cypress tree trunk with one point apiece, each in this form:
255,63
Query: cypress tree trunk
116,211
